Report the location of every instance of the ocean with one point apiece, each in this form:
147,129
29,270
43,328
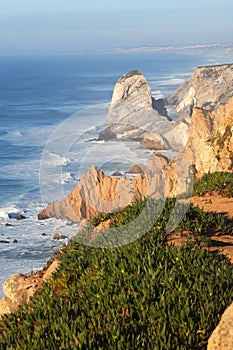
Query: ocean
52,109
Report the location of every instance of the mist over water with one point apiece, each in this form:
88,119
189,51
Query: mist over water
37,94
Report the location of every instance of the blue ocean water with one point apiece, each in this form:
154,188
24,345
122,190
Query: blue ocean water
37,94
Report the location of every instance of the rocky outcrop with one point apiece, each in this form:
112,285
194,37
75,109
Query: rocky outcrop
59,209
136,169
19,289
98,193
133,87
151,141
222,336
209,148
135,115
207,137
208,88
210,143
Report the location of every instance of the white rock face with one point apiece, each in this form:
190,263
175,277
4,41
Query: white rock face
135,115
132,86
188,101
208,88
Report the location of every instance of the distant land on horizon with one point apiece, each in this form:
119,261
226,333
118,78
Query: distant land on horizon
155,48
173,47
228,47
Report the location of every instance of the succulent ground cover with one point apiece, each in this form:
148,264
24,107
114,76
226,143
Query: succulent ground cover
218,181
143,295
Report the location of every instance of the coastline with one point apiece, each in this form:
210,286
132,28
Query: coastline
95,200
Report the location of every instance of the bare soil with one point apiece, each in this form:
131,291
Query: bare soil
212,202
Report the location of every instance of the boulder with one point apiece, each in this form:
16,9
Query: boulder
136,169
17,216
107,134
19,289
222,336
117,173
58,236
152,141
20,217
43,215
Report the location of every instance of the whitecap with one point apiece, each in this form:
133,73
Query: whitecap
55,159
4,214
15,132
10,212
67,177
157,94
98,141
170,81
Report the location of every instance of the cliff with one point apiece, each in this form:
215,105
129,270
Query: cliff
135,115
97,193
209,148
207,88
211,139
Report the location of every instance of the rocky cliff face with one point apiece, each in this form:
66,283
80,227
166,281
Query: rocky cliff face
208,144
19,289
209,148
135,115
208,88
97,193
211,139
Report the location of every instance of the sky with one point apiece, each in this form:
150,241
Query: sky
56,26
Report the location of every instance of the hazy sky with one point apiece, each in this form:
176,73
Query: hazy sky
69,25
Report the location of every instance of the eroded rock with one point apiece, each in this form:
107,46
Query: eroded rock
135,115
222,336
207,88
211,139
19,289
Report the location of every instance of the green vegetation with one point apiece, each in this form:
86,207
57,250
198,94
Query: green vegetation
144,295
218,181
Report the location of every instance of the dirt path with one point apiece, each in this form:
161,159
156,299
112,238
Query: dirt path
212,203
215,203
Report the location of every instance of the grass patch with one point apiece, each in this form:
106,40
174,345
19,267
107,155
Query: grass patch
145,295
217,181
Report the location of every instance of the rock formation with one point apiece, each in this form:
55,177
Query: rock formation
210,143
209,148
222,337
97,193
135,115
18,289
208,88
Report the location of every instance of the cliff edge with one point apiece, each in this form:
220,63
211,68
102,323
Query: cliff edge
207,88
